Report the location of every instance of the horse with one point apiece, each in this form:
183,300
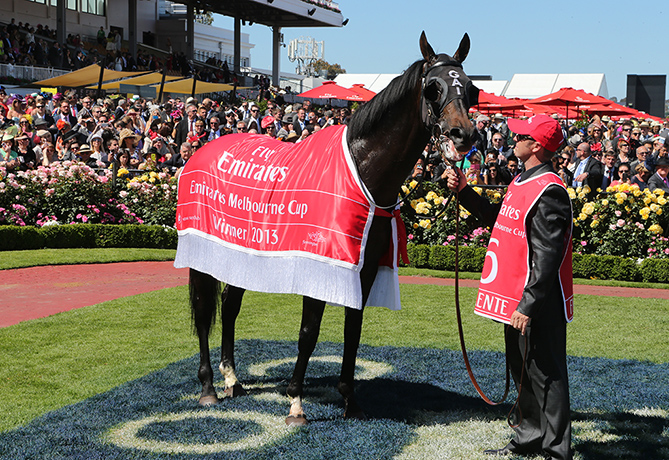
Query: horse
385,138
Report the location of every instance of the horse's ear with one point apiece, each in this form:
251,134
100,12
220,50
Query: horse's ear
463,50
426,48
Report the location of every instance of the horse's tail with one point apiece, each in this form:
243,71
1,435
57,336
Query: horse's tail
205,295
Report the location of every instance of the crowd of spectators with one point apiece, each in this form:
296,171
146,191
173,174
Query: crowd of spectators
139,134
600,154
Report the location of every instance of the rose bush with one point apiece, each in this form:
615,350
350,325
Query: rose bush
71,192
622,220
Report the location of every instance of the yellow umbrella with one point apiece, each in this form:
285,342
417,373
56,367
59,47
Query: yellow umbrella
185,86
140,80
86,76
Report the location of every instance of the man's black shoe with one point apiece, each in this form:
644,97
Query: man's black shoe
502,451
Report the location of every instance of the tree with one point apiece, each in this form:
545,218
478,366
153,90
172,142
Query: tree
322,67
204,18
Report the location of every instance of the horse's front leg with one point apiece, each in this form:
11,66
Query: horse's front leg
204,291
312,314
231,301
352,332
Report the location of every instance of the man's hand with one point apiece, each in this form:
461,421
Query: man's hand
519,321
456,179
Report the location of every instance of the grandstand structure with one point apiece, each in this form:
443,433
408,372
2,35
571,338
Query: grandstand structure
150,23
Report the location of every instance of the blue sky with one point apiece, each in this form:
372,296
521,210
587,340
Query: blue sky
611,37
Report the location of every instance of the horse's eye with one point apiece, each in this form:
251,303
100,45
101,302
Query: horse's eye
432,91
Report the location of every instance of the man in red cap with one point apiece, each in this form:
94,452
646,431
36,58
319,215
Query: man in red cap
528,273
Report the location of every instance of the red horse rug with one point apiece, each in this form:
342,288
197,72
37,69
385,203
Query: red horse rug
271,216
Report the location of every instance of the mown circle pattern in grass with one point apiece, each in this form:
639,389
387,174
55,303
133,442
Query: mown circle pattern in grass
254,428
365,369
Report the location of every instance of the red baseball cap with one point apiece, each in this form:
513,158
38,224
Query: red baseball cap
543,129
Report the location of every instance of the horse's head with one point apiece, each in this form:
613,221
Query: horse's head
446,95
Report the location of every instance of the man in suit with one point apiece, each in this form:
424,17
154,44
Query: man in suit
186,125
254,121
610,172
179,160
659,178
300,121
65,113
588,170
539,294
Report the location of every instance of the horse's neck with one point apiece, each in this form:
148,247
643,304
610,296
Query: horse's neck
386,157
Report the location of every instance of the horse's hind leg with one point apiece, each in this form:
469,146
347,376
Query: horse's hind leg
231,304
204,291
312,314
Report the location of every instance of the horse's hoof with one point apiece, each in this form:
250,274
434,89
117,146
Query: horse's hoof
355,415
211,400
235,391
296,420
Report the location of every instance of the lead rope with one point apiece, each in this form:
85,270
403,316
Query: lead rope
462,337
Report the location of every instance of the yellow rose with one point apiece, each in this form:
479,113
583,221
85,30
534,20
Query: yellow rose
654,207
605,202
431,195
425,223
572,193
588,208
662,201
582,216
658,191
655,229
594,223
413,184
415,225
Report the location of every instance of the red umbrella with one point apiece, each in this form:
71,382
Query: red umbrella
569,96
329,90
364,93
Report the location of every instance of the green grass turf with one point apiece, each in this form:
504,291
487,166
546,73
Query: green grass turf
51,362
33,258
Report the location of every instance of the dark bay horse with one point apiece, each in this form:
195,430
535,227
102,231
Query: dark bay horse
386,136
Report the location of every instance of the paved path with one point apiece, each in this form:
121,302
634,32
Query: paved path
36,292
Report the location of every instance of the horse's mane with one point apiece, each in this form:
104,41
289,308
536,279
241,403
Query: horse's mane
365,119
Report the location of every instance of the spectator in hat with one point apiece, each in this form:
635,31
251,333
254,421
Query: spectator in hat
230,122
8,155
481,133
84,156
286,127
659,178
129,141
268,126
16,107
26,155
499,126
97,147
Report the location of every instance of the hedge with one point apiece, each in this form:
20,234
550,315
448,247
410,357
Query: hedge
588,266
13,238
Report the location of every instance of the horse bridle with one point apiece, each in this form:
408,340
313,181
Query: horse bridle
432,107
